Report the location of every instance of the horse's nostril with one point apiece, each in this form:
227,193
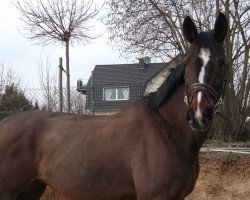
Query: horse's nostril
209,113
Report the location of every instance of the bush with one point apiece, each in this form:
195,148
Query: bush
13,100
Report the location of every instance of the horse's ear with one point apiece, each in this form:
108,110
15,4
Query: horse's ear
189,30
220,28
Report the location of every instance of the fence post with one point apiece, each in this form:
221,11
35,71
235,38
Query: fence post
92,94
60,84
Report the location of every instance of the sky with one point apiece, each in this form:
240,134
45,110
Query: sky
23,56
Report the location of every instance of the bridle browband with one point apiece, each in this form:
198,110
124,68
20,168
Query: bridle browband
207,89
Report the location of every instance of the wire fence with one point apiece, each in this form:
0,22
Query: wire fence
48,99
12,102
98,99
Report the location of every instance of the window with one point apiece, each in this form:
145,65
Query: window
114,94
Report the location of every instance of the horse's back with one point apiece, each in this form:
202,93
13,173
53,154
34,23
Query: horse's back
26,131
19,134
21,128
16,126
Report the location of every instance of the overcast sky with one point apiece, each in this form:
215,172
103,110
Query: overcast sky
23,56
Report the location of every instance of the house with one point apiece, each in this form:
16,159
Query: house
111,87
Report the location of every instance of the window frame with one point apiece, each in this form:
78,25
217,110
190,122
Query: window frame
116,93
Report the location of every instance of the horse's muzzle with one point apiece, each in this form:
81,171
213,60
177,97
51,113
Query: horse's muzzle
200,122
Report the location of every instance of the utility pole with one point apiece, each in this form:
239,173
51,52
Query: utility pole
92,94
60,85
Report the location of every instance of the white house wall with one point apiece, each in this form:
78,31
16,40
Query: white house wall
156,82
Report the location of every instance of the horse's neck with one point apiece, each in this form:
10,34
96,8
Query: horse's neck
174,112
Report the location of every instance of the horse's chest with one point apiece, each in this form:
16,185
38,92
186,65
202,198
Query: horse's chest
182,180
173,177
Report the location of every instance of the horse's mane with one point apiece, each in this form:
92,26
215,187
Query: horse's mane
156,99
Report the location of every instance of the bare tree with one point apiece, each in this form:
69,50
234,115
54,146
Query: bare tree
78,102
154,28
64,21
49,99
8,77
13,96
237,103
48,85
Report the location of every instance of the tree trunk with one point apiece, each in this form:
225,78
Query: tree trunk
60,85
217,7
68,76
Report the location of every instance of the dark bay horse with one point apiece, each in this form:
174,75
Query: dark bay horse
148,151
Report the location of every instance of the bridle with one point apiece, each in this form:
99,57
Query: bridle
217,96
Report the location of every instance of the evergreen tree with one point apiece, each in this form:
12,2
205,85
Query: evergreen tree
14,99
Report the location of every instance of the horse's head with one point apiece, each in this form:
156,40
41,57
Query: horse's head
205,73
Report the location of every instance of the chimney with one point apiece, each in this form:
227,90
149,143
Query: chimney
144,62
81,88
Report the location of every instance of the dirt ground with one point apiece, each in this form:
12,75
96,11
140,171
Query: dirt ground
223,176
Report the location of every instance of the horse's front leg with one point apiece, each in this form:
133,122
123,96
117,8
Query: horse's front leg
7,193
166,197
162,195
